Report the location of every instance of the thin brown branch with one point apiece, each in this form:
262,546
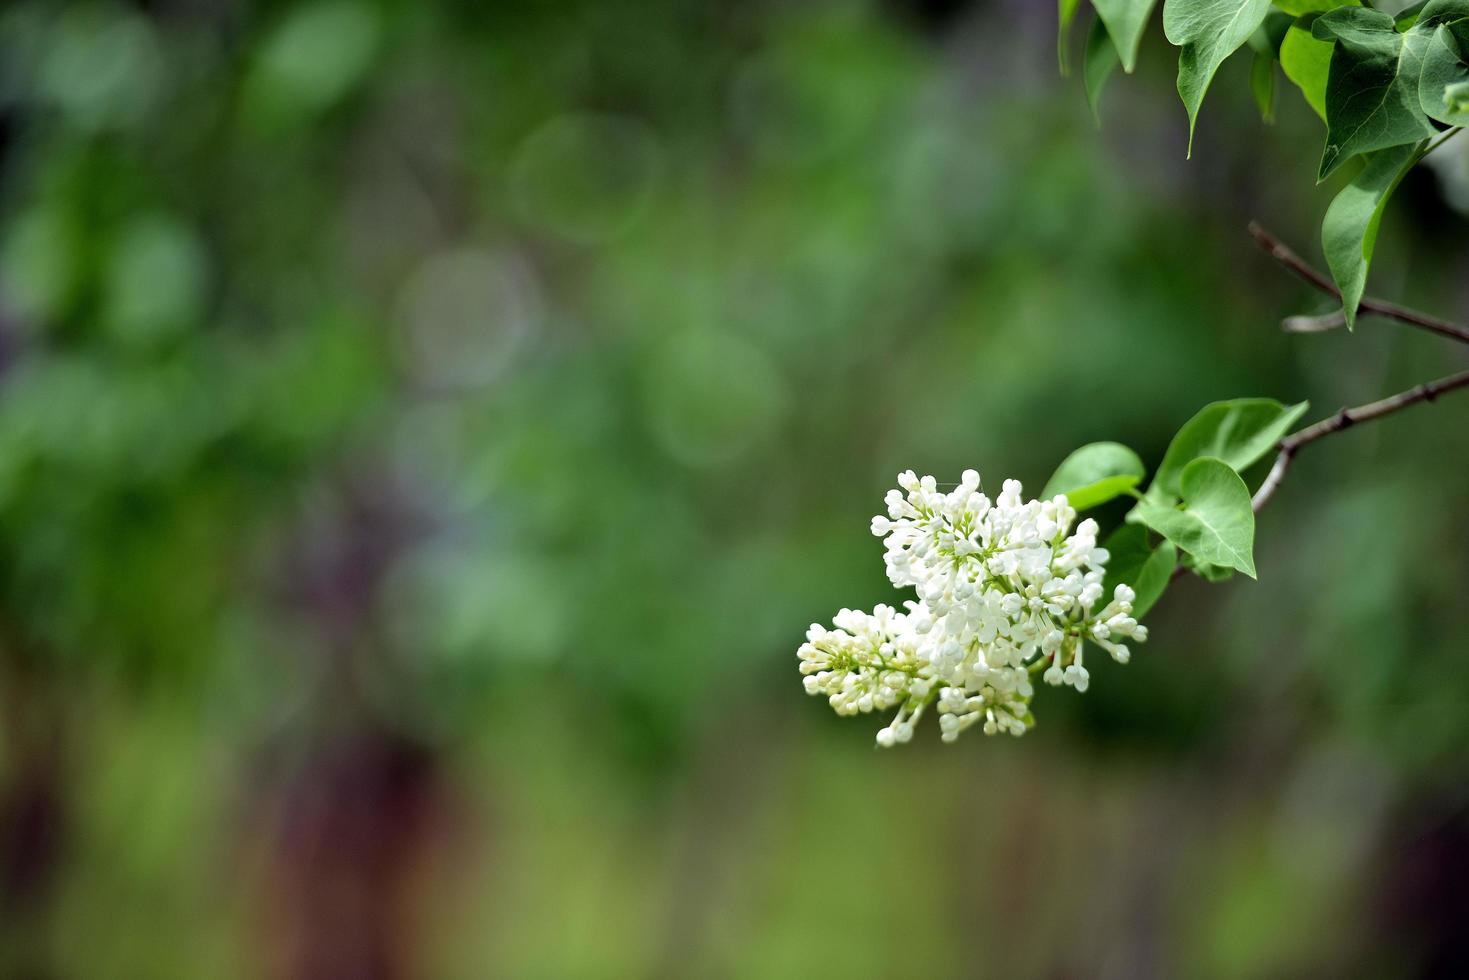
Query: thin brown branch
1345,419
1281,253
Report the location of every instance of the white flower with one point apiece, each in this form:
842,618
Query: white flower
1006,588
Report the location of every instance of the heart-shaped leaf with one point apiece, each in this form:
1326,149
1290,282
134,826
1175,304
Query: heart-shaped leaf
1238,432
1215,522
1094,474
1372,100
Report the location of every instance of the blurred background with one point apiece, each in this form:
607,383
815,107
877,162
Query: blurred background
426,431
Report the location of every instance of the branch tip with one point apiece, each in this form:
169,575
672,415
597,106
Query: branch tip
1303,270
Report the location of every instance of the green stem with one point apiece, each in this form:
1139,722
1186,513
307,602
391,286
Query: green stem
1443,138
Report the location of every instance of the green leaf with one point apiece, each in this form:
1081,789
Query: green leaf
1444,71
1349,230
1098,63
1126,20
1094,474
1066,13
1372,98
1207,571
1238,432
1215,522
1408,17
1207,31
1298,7
1132,561
1262,84
1306,61
1271,32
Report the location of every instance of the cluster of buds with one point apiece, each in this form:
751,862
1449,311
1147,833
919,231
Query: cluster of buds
1006,589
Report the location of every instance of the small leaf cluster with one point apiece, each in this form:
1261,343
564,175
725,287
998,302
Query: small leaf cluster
1196,511
1389,88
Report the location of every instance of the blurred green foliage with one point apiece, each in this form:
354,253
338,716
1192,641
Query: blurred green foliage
426,430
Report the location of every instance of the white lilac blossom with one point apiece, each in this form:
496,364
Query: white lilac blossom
1006,589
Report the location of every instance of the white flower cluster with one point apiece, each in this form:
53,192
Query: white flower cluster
1004,592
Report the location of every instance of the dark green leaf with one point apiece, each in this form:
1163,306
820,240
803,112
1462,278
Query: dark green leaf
1094,474
1239,432
1066,13
1132,561
1215,522
1349,230
1262,84
1098,63
1126,21
1372,98
1271,32
1207,32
